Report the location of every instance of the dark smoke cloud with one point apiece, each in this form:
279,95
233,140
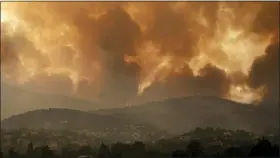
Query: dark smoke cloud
265,71
118,33
212,82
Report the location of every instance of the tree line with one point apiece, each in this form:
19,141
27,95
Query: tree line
263,148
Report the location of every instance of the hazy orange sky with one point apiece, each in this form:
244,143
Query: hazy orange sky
131,52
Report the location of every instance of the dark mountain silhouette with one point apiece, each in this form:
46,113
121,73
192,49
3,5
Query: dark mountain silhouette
186,113
175,115
61,119
15,100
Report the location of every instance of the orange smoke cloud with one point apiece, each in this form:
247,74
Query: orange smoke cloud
133,46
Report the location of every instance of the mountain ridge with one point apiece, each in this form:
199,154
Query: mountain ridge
172,115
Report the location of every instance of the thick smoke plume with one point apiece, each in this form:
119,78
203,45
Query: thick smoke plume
125,51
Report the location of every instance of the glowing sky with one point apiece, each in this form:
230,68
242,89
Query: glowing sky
122,52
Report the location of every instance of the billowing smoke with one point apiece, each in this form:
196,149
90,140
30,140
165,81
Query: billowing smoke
118,33
265,71
122,51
